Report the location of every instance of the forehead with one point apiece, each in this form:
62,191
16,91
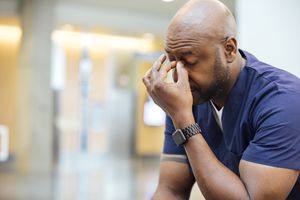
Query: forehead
186,40
183,51
185,46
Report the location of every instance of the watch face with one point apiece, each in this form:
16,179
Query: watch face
178,137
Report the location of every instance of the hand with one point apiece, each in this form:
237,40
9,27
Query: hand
174,98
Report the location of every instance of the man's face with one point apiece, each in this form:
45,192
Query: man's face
207,71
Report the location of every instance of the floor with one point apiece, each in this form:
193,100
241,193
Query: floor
87,177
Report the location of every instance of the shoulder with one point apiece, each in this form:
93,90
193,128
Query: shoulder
265,74
271,88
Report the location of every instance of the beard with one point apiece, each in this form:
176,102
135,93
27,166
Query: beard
221,76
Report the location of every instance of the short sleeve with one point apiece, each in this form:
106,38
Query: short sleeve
169,145
276,141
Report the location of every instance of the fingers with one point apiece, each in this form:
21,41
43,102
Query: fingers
146,80
158,63
163,73
156,75
182,74
151,74
150,86
170,66
159,73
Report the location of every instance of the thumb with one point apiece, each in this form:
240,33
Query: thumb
181,73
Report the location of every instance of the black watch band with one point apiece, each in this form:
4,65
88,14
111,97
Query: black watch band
180,136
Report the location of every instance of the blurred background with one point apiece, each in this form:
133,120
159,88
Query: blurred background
75,120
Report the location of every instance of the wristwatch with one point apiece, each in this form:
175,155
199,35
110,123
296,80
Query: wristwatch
180,136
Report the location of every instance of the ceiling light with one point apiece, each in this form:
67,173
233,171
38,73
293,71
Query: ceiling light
10,33
167,0
148,36
101,40
68,27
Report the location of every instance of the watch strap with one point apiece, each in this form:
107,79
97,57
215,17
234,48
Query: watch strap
191,130
180,136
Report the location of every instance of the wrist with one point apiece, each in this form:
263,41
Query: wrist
183,120
181,136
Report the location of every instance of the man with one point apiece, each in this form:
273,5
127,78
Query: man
233,122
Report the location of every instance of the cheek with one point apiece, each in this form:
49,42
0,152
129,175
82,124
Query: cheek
191,76
201,80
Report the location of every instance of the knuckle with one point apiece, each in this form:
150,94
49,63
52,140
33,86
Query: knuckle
158,86
148,72
156,64
152,90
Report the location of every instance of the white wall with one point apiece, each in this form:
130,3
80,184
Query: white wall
8,8
270,29
113,19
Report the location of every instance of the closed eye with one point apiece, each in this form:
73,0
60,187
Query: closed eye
191,64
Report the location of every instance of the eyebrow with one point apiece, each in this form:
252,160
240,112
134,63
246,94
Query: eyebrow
184,53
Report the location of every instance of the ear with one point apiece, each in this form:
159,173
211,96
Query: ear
230,49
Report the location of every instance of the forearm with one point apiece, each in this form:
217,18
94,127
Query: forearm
214,179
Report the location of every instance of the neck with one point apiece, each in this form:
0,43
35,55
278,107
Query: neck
235,70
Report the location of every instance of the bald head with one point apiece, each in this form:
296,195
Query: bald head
201,36
207,18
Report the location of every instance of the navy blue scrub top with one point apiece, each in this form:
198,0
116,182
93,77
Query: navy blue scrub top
261,121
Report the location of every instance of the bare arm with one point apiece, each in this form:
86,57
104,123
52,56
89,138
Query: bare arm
218,182
265,182
175,179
